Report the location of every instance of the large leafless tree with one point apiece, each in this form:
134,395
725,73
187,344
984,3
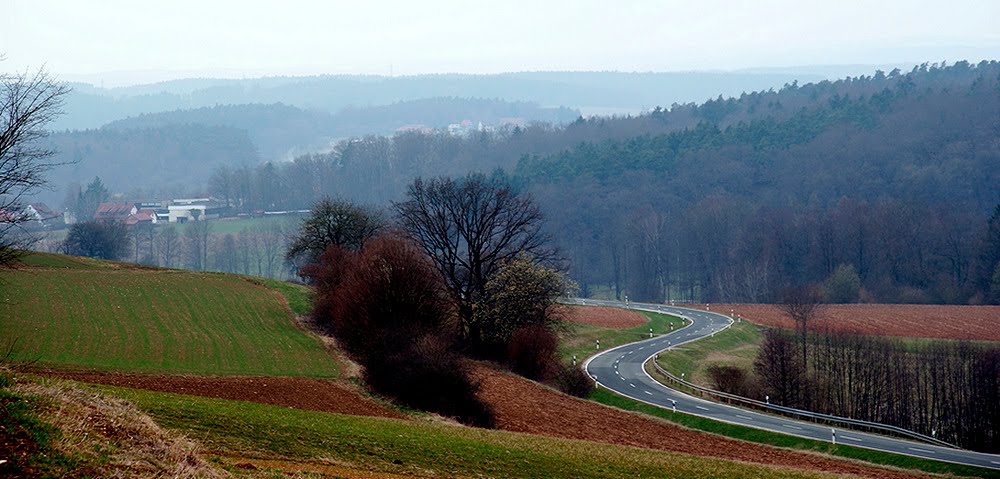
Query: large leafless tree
471,227
28,102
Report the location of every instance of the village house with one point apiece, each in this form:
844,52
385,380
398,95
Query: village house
119,211
44,216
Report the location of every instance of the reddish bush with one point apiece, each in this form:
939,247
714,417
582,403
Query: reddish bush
325,276
388,307
531,351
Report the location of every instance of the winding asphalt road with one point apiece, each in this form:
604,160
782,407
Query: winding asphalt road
621,370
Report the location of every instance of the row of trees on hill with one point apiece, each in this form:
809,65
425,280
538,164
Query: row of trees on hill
258,250
947,389
464,270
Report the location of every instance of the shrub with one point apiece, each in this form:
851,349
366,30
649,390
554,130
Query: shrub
388,307
574,381
428,376
531,351
729,379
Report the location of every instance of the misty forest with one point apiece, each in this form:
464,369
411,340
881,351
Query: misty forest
888,179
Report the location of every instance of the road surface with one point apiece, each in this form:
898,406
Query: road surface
621,370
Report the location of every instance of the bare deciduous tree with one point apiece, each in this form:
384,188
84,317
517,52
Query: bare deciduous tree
802,304
472,226
27,104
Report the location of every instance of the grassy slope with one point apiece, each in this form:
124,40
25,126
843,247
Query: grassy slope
239,429
111,317
736,346
579,339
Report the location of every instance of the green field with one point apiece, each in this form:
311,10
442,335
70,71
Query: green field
114,316
736,346
235,226
233,429
580,339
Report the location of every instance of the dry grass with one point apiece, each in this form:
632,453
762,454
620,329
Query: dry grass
115,434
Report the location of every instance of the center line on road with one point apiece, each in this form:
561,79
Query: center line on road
630,384
647,392
702,408
792,426
925,451
748,418
849,438
994,462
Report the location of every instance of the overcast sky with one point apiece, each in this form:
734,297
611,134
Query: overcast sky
129,40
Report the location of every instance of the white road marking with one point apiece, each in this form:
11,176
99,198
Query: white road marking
702,408
748,418
647,392
849,438
630,384
994,462
792,426
925,451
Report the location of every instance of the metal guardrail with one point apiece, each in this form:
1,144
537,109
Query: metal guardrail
800,413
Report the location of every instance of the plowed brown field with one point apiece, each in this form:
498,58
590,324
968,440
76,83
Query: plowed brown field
296,392
603,316
912,320
523,406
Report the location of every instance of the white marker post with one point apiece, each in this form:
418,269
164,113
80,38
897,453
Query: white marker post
674,404
574,360
651,332
834,431
767,399
598,343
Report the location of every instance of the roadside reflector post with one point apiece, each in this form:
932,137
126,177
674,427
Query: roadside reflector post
673,404
598,343
834,431
767,399
574,360
651,332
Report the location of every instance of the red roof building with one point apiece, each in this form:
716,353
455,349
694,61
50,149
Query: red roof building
115,211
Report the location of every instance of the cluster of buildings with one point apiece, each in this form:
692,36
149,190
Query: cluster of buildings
133,212
466,127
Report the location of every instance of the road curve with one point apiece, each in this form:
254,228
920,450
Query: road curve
620,369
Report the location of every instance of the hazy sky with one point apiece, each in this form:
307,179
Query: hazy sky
154,39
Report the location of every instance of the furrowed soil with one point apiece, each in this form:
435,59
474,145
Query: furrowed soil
295,392
524,406
603,316
909,320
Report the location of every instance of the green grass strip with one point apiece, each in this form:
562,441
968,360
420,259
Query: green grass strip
580,339
735,346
